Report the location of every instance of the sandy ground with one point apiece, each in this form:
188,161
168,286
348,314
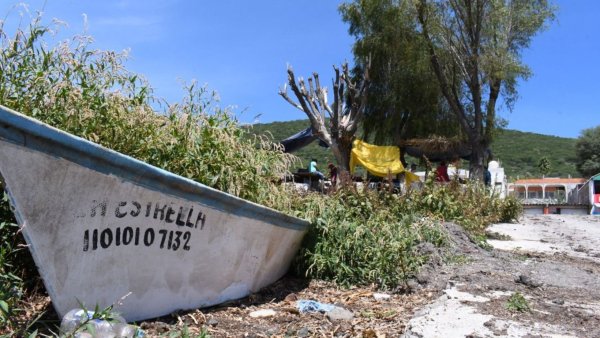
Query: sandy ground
552,260
575,236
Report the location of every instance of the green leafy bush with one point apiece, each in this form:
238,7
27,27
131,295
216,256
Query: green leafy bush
364,238
517,303
470,205
510,209
373,237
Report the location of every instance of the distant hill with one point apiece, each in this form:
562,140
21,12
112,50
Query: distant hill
519,152
283,130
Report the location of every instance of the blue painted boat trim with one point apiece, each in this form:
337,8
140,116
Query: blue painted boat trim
33,134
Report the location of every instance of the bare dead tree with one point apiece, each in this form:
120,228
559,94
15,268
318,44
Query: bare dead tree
345,114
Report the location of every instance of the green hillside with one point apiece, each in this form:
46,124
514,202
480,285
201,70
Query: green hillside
283,130
519,152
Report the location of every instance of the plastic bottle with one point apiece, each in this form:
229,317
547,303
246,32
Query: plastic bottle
79,319
83,335
73,320
126,331
103,328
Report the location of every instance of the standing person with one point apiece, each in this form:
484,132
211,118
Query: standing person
441,173
487,179
332,174
312,168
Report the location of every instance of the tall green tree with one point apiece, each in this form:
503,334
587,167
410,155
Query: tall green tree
475,51
404,99
588,152
544,166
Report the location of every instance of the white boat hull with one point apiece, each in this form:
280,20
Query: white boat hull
102,226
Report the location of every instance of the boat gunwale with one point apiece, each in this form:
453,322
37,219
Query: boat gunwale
28,132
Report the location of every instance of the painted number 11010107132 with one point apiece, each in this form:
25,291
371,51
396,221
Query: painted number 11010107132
163,239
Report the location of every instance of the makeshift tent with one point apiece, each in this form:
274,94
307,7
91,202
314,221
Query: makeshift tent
438,148
379,160
300,139
465,154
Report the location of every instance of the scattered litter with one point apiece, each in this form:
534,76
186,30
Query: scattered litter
313,306
263,313
333,312
381,296
339,313
77,322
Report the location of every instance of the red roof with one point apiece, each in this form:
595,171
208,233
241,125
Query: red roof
551,180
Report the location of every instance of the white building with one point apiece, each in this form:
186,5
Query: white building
552,195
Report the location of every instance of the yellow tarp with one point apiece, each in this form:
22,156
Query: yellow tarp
379,160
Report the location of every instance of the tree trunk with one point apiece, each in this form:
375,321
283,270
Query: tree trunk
342,151
476,164
312,100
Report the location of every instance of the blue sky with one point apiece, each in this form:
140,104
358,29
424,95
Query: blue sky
241,49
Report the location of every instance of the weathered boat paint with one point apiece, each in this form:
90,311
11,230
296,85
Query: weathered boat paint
102,226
